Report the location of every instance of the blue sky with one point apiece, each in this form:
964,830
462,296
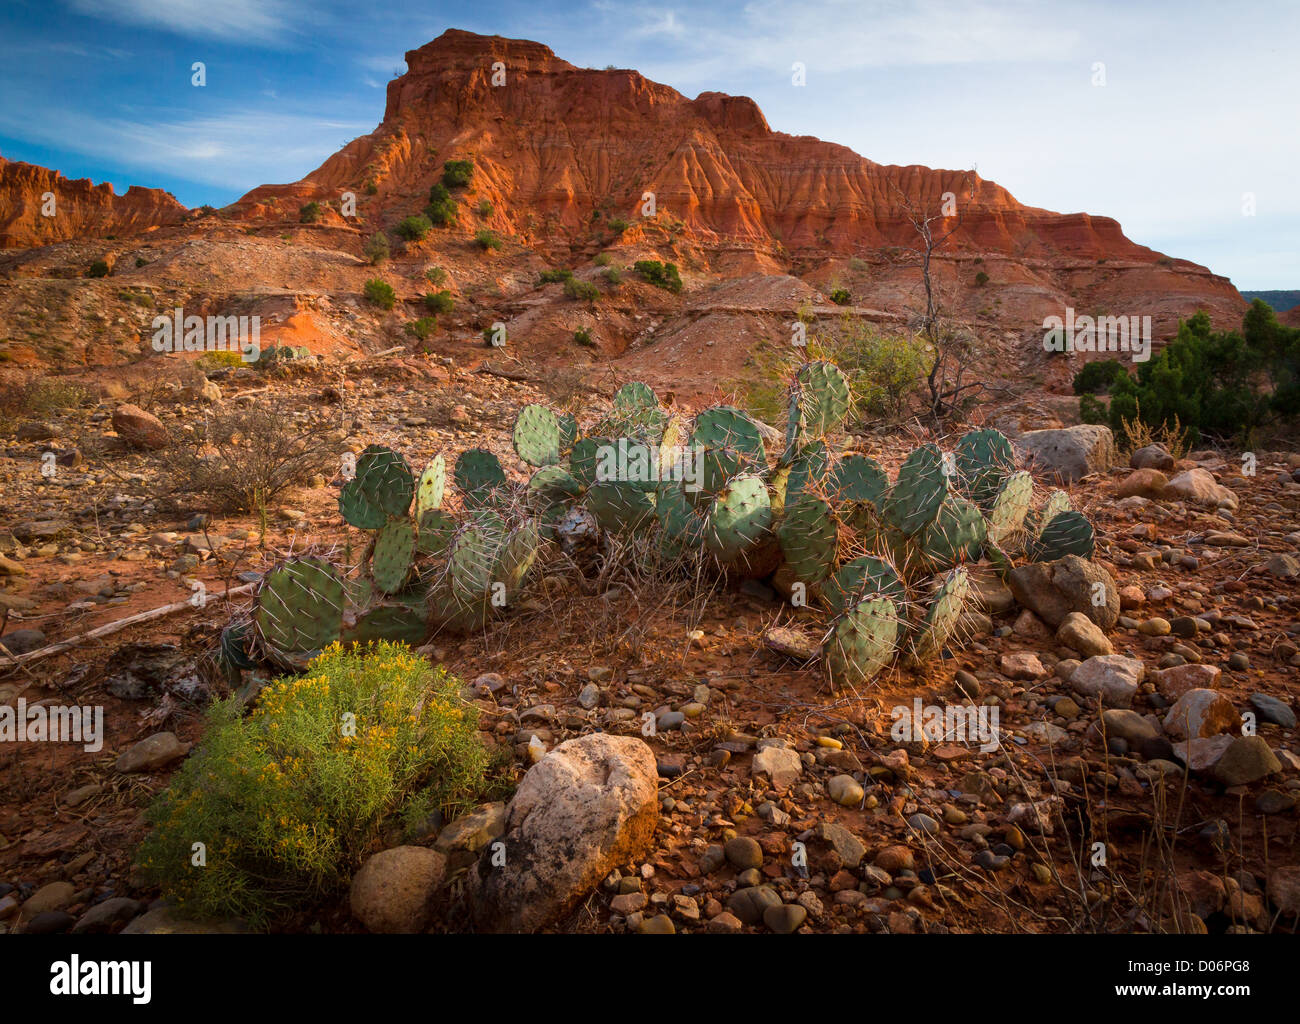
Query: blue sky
1199,108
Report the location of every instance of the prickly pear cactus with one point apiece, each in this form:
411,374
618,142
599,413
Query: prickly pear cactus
479,476
1067,533
391,559
809,537
862,640
433,485
382,489
536,436
298,610
822,393
738,517
918,491
941,617
984,459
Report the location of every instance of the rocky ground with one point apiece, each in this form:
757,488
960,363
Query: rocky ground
1122,796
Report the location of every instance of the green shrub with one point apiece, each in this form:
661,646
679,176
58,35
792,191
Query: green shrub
414,228
484,208
98,269
421,328
290,799
661,275
557,276
1223,384
613,275
859,265
981,279
219,360
310,213
442,213
583,337
618,225
841,296
435,275
439,302
582,290
486,239
377,248
438,193
457,173
1091,410
371,187
884,371
1098,376
381,293
603,259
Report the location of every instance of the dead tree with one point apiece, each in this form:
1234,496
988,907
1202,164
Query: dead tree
948,339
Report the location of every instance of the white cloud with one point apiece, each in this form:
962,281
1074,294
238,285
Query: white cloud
247,21
236,152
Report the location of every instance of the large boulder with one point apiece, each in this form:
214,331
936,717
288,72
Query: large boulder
1070,453
1199,487
1052,590
588,806
140,429
394,890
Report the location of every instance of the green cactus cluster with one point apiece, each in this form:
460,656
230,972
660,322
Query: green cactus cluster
426,568
883,561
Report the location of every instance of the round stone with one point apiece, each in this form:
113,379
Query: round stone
744,852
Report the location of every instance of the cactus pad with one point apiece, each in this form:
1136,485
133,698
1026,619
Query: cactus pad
1009,508
864,577
537,436
921,487
738,517
941,616
858,478
478,474
390,562
382,489
298,610
809,538
432,487
862,640
823,395
1068,533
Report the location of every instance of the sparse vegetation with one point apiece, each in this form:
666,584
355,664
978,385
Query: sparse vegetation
310,213
486,239
377,248
484,208
243,459
661,275
617,225
414,228
380,293
98,269
583,337
457,173
841,296
557,276
442,206
613,275
981,279
584,291
439,303
436,276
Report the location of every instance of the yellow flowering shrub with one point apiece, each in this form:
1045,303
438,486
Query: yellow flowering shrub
288,800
